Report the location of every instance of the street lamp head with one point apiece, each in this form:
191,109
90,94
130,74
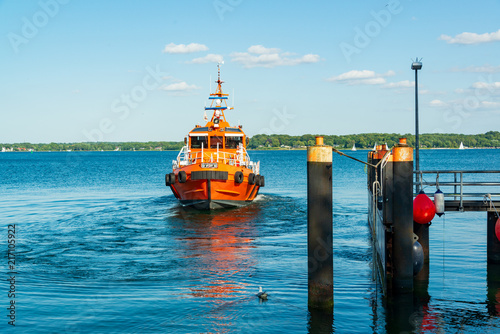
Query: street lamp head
417,64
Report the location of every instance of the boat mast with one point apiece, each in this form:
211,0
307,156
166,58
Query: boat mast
218,96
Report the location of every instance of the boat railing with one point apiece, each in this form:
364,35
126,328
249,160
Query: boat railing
239,158
459,184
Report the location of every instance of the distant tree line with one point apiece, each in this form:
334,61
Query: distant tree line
368,140
98,146
262,141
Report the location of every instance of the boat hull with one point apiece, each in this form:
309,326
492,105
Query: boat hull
214,204
215,188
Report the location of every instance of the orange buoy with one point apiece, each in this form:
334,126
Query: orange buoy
423,208
497,229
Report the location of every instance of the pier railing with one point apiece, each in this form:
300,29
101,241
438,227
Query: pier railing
464,190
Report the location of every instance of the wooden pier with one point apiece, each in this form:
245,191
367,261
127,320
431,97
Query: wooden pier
390,211
400,262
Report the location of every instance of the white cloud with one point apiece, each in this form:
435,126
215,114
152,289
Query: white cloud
209,58
437,103
361,77
179,87
372,81
353,75
183,48
259,49
480,89
260,56
472,38
477,69
401,84
492,86
489,104
308,59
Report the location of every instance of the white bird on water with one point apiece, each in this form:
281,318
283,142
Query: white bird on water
262,294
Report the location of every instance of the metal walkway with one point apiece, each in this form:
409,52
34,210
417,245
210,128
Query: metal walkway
464,190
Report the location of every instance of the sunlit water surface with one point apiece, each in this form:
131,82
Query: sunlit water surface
104,247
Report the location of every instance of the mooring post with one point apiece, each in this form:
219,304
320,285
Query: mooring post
319,225
493,286
493,245
422,232
402,247
369,172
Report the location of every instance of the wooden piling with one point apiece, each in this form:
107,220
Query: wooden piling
492,286
422,232
319,226
402,246
493,245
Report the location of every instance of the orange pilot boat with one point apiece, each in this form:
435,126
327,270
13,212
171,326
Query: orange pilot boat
213,170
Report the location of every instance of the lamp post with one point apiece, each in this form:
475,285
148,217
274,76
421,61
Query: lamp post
416,65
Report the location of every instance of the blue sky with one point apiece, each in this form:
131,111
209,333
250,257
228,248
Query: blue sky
132,70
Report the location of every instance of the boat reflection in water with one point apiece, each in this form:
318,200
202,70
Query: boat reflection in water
217,247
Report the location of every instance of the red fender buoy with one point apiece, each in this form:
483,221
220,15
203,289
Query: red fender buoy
497,229
423,208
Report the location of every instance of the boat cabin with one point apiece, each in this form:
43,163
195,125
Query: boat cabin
224,139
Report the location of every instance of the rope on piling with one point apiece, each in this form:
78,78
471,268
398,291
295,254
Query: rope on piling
363,162
492,205
382,161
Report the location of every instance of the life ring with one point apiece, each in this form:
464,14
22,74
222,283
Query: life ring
238,177
182,176
251,178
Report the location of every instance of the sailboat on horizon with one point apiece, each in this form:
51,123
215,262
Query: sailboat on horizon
461,146
353,147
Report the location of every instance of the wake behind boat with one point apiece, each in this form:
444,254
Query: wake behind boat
213,170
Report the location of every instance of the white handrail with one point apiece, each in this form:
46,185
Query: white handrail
238,158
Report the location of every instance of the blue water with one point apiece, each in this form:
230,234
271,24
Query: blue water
102,246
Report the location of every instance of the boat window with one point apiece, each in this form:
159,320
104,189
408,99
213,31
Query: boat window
233,141
214,140
196,141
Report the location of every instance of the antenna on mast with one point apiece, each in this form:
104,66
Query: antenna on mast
218,69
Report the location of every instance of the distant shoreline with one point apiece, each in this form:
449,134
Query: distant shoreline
363,141
260,150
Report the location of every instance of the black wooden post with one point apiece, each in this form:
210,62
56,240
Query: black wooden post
402,246
493,245
319,225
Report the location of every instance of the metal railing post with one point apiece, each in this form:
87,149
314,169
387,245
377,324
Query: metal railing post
455,186
461,191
